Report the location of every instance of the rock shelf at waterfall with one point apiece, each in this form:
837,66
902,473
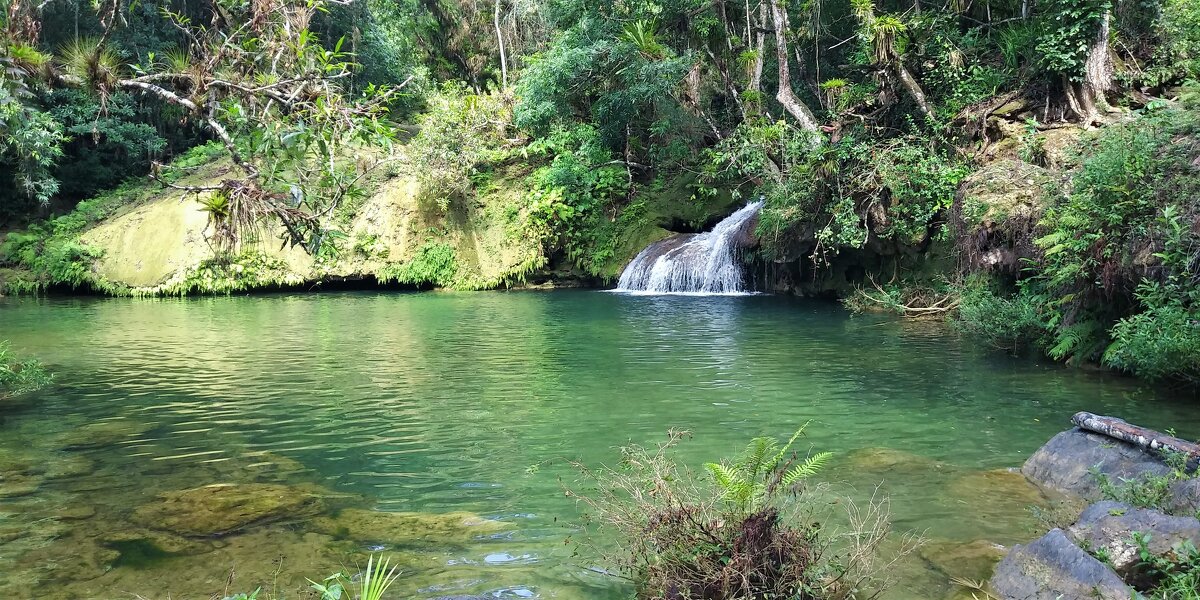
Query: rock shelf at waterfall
700,263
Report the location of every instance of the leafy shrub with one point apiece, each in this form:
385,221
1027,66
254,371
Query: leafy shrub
434,264
458,132
1010,322
1162,342
1175,576
749,532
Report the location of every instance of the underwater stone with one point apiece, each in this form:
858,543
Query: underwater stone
101,434
218,510
996,492
971,560
405,528
1053,568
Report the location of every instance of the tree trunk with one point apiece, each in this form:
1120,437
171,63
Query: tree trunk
912,87
500,41
1099,67
1138,436
760,48
786,96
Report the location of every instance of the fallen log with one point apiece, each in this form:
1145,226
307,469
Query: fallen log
1139,436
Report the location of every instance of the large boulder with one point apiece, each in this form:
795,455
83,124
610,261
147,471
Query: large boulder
1064,464
1108,527
1054,568
218,510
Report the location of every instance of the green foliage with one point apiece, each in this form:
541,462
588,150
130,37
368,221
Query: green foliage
30,139
1147,490
459,131
372,583
1175,576
1176,56
1089,275
896,189
1068,30
747,531
1007,321
18,375
764,467
434,264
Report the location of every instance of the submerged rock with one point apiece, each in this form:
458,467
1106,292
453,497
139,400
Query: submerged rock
222,509
103,433
890,460
407,528
1109,527
17,485
1054,568
969,560
1063,465
997,493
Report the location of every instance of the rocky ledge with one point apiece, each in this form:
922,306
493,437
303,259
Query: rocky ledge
1144,500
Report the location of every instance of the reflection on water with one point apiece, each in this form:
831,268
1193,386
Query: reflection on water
433,407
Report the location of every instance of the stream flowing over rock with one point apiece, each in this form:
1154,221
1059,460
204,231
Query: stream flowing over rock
707,262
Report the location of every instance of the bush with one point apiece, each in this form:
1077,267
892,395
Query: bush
1163,342
751,531
1009,322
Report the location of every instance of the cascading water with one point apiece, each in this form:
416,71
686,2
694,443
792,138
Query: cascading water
708,263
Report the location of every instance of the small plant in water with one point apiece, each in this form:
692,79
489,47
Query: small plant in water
373,584
750,531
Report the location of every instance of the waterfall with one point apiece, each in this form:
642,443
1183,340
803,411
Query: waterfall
708,263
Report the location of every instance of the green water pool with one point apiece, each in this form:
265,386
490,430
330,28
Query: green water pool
466,407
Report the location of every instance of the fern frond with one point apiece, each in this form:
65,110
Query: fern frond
724,477
783,451
754,461
811,466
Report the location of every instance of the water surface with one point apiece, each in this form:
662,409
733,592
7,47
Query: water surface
440,403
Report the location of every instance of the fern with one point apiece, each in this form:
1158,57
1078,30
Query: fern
747,483
811,466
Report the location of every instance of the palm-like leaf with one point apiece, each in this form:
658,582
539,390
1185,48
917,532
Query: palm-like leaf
811,466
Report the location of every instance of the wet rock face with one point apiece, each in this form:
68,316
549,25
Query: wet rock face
1054,568
218,510
1063,464
1109,527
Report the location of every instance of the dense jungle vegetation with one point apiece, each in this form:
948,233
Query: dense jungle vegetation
1028,167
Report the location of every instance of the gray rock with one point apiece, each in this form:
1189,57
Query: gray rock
1053,568
1063,464
1109,526
1184,498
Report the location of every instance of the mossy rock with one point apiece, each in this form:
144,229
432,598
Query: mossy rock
17,485
401,528
972,560
102,434
1002,191
996,493
890,460
218,510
